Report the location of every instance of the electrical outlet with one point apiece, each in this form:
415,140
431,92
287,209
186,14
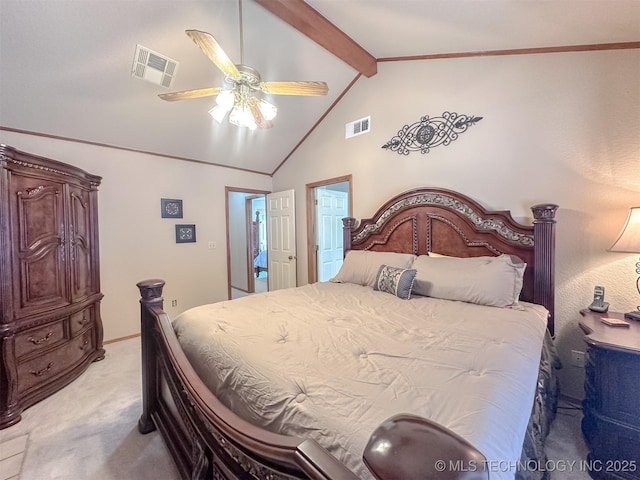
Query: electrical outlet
211,245
577,358
174,303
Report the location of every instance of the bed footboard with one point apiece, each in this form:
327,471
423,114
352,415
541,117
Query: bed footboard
206,439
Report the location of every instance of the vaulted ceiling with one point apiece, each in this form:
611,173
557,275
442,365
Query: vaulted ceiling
65,65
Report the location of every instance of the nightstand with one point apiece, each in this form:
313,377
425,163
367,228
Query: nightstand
611,407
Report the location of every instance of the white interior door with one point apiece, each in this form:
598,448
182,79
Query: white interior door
331,208
281,239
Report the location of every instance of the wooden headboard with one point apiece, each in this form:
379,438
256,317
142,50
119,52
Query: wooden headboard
443,221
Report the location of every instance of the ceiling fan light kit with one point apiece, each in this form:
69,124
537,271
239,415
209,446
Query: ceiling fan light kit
241,84
238,97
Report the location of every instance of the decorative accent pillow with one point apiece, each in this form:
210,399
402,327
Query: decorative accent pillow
361,266
494,281
396,281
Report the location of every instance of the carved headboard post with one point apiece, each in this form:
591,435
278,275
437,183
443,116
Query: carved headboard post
348,224
544,224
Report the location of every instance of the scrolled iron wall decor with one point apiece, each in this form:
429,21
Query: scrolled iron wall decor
430,132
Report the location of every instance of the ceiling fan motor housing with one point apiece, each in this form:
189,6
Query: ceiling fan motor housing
248,77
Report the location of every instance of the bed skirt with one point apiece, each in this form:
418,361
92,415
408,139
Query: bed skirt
545,403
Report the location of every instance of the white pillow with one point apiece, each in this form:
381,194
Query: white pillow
494,281
361,266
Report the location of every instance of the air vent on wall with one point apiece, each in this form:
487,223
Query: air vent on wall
357,127
153,67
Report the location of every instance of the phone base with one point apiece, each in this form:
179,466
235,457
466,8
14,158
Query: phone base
632,316
599,308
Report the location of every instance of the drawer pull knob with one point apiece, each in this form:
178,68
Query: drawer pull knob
38,341
84,320
39,373
84,345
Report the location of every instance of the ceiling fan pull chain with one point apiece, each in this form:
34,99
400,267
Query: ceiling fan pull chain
241,33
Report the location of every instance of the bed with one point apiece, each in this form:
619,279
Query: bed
260,262
251,419
259,254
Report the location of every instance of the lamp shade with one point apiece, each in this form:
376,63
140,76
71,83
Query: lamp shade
629,239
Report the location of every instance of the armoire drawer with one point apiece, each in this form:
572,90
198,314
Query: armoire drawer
39,338
42,370
81,320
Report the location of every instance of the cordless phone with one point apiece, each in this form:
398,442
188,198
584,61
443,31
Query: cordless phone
599,305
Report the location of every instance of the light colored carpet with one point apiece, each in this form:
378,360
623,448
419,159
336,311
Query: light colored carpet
261,286
11,456
88,431
565,446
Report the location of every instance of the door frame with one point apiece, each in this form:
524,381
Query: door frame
312,258
249,192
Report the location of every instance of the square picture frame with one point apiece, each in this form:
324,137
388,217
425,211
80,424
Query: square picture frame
171,208
185,233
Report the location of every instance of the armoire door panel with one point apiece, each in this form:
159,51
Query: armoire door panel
80,247
40,261
41,282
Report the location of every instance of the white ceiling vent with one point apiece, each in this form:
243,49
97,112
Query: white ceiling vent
153,67
357,127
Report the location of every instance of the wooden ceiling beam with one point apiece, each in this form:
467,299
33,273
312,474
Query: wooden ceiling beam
311,23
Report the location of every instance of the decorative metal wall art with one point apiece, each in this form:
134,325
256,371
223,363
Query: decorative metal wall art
430,132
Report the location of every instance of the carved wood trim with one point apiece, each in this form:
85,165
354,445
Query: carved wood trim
181,401
447,201
94,181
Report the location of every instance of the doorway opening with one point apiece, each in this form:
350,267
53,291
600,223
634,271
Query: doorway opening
246,242
256,221
328,202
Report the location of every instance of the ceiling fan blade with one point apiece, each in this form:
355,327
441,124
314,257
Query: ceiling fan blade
187,94
261,122
212,49
295,88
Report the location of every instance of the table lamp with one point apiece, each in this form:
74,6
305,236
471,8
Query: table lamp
629,242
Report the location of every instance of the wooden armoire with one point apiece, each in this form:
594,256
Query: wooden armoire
50,326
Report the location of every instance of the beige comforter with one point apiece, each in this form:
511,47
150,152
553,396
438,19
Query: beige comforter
332,361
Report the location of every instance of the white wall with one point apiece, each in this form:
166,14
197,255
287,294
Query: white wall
135,243
561,128
238,239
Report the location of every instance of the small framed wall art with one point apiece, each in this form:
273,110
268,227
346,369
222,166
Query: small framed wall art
185,233
171,208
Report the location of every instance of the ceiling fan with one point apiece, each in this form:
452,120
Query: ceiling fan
241,86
